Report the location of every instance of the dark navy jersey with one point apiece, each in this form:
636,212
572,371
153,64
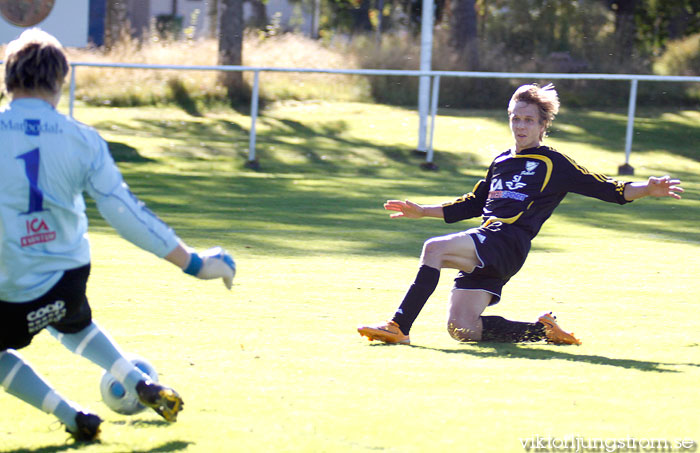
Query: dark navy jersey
523,189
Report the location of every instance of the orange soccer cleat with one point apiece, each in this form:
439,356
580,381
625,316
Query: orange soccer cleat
387,332
555,334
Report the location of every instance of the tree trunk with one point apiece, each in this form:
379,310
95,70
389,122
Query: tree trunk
116,21
213,13
315,19
680,18
463,32
231,47
625,28
258,18
361,22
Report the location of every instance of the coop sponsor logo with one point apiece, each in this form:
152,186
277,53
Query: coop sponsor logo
37,232
48,314
32,127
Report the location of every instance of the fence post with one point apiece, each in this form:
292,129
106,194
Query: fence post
252,160
426,56
626,168
428,164
72,90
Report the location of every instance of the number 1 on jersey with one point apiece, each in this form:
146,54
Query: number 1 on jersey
31,169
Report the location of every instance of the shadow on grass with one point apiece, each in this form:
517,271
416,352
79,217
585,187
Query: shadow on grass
328,148
121,152
652,132
317,147
173,445
519,351
657,129
49,449
261,213
335,195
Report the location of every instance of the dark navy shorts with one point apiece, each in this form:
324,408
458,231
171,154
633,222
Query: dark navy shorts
502,249
64,307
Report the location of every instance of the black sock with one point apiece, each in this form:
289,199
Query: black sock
417,295
502,330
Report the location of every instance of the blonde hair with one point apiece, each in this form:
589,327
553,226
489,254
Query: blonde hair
545,98
35,62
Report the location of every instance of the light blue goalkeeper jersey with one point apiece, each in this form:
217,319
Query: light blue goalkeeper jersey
47,161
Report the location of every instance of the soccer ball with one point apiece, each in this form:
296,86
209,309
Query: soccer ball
115,395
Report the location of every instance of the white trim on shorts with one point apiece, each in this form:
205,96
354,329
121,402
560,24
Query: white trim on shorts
469,233
478,289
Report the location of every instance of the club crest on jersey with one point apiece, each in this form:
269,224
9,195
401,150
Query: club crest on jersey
530,168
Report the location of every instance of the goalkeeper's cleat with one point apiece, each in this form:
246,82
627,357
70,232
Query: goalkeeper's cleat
88,427
387,332
554,333
164,400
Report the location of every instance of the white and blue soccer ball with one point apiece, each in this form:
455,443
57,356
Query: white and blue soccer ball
117,397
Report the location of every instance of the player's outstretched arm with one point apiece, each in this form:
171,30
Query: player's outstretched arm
212,263
654,187
412,210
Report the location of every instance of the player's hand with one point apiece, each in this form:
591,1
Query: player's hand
212,263
406,209
664,187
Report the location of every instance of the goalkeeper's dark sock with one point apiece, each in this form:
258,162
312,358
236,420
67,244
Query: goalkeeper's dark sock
499,329
417,295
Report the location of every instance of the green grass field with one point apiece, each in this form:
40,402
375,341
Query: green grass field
277,365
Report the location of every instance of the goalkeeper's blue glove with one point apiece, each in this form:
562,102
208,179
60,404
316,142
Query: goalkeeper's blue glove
212,263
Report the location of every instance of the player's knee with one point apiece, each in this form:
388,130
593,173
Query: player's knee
433,249
463,331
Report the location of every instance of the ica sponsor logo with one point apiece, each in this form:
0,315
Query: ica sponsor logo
37,232
48,314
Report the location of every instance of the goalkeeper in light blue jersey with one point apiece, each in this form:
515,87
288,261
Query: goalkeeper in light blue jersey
47,161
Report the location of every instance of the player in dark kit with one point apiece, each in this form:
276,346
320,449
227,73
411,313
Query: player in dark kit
522,188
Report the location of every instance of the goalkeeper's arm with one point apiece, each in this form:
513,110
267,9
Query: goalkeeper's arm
212,263
130,217
140,226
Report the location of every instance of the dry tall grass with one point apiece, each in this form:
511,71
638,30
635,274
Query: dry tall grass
137,87
132,87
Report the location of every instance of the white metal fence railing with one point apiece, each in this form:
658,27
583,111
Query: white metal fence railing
434,92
